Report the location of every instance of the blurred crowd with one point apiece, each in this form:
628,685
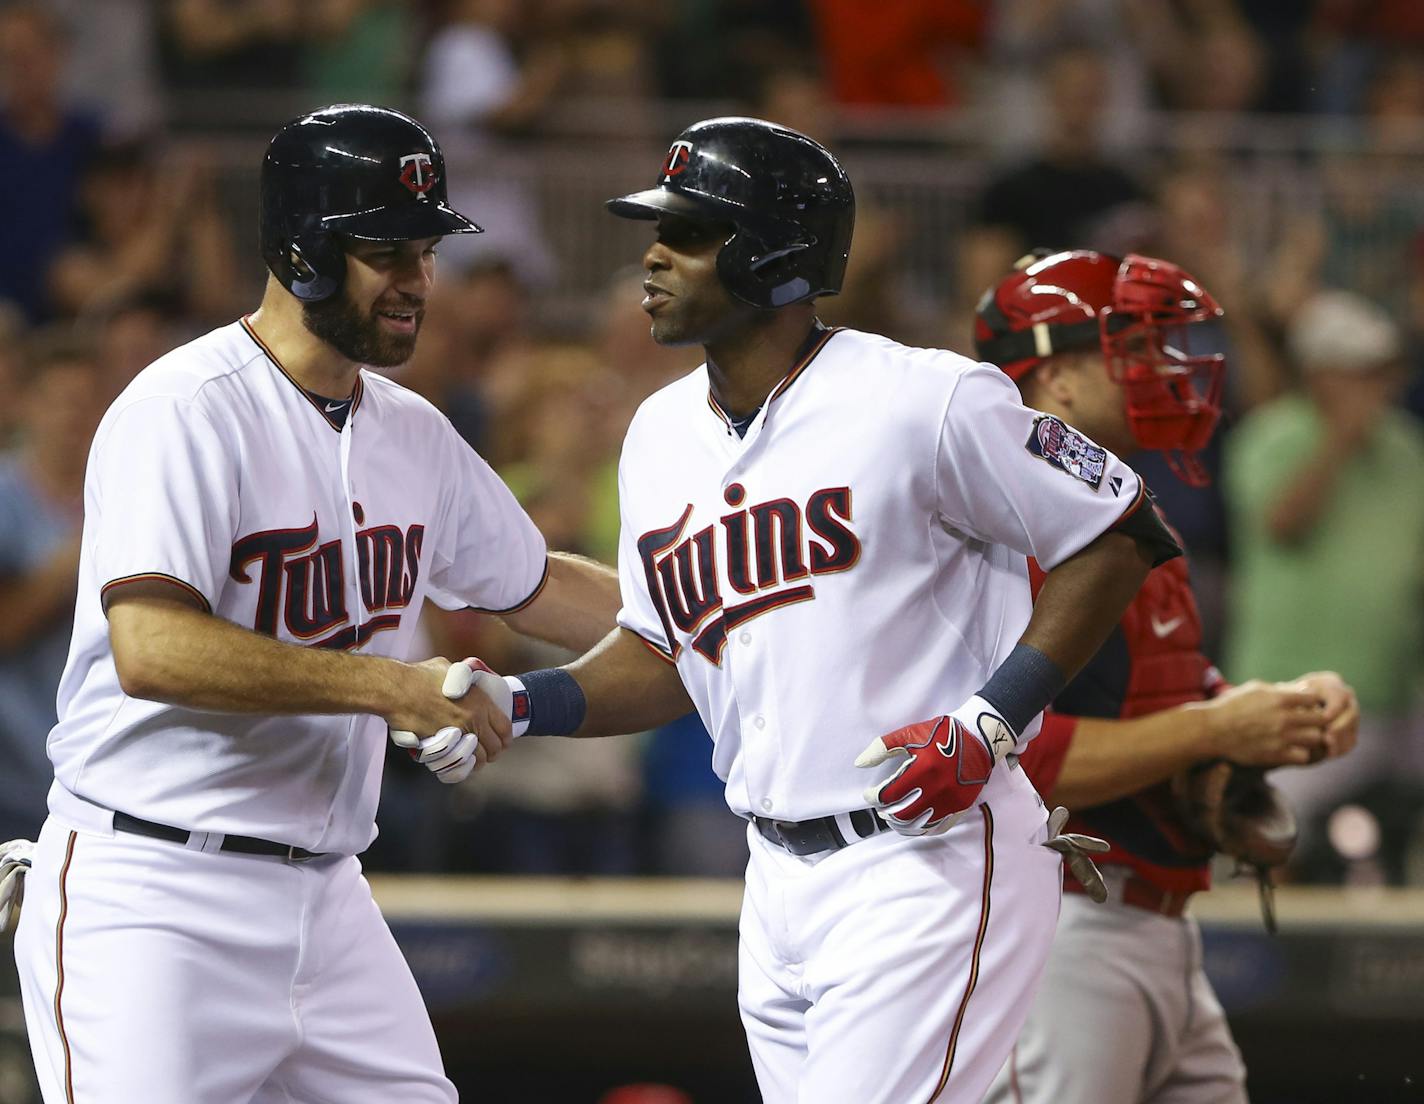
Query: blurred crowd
129,136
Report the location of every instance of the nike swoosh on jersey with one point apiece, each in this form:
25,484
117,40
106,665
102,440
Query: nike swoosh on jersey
1164,628
333,407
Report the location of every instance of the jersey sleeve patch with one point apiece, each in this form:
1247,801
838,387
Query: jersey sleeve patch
1062,446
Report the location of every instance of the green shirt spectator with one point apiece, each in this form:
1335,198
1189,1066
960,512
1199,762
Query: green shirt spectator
1326,494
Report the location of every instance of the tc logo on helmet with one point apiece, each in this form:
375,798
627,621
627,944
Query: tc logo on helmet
417,173
676,161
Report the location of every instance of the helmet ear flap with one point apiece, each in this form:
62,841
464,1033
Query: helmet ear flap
314,267
752,270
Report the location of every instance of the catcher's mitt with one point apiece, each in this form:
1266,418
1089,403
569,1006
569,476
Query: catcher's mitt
1236,812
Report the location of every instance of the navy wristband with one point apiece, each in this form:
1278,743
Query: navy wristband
556,702
1024,686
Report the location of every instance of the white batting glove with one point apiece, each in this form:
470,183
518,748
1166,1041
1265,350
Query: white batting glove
450,753
14,863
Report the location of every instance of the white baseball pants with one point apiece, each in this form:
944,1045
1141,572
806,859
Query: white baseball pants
898,970
155,974
1125,1016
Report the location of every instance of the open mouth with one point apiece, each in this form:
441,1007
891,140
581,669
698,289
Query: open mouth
654,298
402,321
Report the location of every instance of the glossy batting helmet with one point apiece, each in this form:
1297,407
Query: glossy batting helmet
789,200
354,170
1144,315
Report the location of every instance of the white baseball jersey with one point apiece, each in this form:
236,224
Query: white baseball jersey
214,469
856,562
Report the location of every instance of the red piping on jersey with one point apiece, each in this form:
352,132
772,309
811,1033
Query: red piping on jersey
538,590
159,576
671,660
787,380
59,967
978,946
355,395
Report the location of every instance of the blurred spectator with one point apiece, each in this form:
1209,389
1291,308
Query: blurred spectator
474,90
1196,229
358,51
1070,196
133,333
151,223
1328,526
44,146
113,68
1205,55
12,335
715,48
1024,36
1362,232
899,53
230,45
1348,38
41,511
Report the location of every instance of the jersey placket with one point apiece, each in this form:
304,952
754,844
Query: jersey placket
744,662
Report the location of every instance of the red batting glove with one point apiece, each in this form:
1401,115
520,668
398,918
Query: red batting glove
947,761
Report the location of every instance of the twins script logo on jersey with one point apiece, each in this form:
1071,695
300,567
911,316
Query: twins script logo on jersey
675,163
302,585
762,552
417,173
1066,448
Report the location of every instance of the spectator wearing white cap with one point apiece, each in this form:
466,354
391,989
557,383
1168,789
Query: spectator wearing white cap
1325,489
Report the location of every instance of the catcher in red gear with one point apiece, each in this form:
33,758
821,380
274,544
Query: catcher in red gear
1149,745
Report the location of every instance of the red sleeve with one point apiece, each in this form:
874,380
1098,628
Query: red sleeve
1043,759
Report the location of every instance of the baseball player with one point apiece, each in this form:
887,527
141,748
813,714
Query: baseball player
823,549
264,518
1124,351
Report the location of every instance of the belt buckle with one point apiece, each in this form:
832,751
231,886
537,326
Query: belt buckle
779,826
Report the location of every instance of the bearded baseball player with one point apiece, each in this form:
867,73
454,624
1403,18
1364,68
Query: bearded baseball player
264,518
1153,751
824,546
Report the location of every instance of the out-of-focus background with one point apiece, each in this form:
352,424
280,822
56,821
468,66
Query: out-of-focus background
1274,149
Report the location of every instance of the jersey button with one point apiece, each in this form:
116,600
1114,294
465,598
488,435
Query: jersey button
759,721
746,637
766,804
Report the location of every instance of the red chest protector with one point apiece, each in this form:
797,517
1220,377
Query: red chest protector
1162,631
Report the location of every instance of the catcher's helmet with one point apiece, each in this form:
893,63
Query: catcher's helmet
1142,313
353,169
789,199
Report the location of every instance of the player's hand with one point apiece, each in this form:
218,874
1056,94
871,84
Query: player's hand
947,761
468,730
14,864
1265,724
1340,710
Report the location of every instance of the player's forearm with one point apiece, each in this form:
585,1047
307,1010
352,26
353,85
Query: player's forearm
577,607
170,652
1083,598
1109,759
627,687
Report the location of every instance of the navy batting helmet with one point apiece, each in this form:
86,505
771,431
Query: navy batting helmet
353,169
789,200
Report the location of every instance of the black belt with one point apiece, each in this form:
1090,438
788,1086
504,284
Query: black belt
811,837
245,845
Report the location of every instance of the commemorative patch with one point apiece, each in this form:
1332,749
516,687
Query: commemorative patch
1068,450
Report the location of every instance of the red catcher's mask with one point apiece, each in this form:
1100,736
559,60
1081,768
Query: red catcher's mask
1152,323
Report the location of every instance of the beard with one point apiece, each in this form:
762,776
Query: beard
358,335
